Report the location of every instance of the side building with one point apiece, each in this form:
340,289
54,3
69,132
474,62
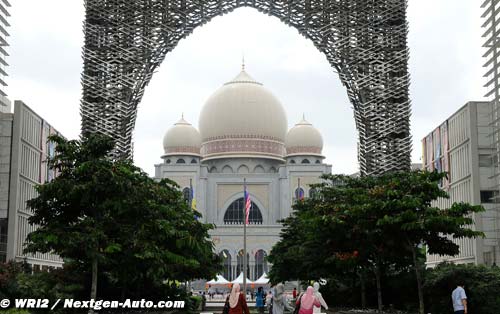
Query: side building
23,164
461,146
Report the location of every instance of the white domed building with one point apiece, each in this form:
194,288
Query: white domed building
243,136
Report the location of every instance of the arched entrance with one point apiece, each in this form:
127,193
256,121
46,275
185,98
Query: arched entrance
240,264
260,264
226,264
364,41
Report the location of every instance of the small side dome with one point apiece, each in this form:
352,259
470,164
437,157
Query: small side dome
304,139
182,139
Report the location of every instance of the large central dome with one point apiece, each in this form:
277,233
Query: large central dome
243,119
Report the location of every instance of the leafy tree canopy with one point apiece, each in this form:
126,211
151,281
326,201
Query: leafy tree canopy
139,230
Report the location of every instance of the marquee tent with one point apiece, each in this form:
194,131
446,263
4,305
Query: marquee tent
240,280
263,280
219,280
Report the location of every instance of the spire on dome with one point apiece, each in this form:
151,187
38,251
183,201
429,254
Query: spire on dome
182,121
243,77
243,63
303,121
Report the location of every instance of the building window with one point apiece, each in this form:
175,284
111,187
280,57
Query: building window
239,264
260,264
292,161
193,161
489,196
299,193
488,260
486,160
318,161
306,161
180,161
168,161
186,193
235,212
226,264
313,193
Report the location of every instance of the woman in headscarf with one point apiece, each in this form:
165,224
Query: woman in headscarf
307,301
237,302
279,300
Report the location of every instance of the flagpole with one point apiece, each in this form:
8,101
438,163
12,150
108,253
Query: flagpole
298,190
245,240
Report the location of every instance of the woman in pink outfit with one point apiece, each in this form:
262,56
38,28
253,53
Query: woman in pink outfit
308,301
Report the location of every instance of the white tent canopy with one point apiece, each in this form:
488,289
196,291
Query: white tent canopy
219,280
263,280
240,279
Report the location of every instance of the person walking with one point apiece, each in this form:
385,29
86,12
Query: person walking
260,298
269,301
236,301
307,301
279,300
459,299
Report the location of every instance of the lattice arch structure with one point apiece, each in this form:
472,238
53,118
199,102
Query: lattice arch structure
365,41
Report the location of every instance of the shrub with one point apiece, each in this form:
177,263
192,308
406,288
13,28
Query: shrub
482,285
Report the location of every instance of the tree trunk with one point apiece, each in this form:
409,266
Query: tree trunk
419,280
93,289
362,282
379,286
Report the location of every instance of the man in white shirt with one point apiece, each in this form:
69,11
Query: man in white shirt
459,300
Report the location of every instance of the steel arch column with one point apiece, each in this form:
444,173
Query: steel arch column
365,41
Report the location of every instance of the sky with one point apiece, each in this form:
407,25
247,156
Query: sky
445,67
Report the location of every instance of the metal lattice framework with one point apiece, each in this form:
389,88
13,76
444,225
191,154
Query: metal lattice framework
365,41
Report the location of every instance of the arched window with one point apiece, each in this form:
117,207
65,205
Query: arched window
306,161
292,161
193,161
313,193
180,161
226,264
299,193
260,264
318,161
168,161
235,216
239,264
186,193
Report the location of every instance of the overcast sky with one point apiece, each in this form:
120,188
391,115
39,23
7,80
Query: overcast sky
446,71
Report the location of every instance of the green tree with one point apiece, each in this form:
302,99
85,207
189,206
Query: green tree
406,199
372,224
100,211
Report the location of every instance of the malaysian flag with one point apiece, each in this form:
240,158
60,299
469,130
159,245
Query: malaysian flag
248,203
